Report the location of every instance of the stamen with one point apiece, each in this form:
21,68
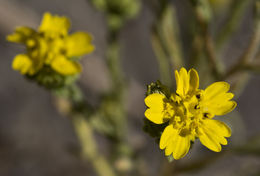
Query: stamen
196,107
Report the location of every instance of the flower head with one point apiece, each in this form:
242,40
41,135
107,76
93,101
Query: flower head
50,47
189,113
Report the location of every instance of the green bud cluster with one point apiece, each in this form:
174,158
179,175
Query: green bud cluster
52,80
158,87
117,11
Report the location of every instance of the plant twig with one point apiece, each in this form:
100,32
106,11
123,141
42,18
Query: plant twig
89,148
253,67
199,164
203,14
171,36
215,64
164,65
166,42
70,102
252,48
235,14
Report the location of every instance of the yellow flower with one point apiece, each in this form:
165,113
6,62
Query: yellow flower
51,46
189,114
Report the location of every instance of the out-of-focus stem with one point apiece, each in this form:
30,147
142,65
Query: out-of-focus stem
203,15
113,60
237,9
253,67
70,102
90,152
171,36
114,104
166,42
215,64
245,60
199,164
164,65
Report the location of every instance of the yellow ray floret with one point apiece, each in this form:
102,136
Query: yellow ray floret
23,64
187,82
54,25
65,66
174,143
217,99
21,35
159,110
189,114
213,133
78,44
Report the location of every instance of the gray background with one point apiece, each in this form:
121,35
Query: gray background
36,141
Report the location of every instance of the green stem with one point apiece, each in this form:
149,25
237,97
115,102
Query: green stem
166,42
236,12
164,64
70,102
252,48
171,36
203,15
114,104
89,147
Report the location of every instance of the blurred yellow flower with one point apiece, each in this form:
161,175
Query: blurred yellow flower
51,46
189,113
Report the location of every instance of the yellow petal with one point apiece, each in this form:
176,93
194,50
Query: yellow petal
181,147
216,89
193,81
179,84
156,116
182,82
173,143
221,108
79,44
64,66
155,100
185,80
20,35
168,134
22,63
54,25
213,133
156,104
217,100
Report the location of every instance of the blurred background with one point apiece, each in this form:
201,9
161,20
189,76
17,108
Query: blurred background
35,140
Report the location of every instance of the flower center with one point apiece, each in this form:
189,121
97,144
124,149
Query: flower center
187,114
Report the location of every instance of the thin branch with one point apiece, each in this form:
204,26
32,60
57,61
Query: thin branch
252,67
166,42
200,164
89,147
203,15
212,57
253,46
70,102
171,36
235,14
164,66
